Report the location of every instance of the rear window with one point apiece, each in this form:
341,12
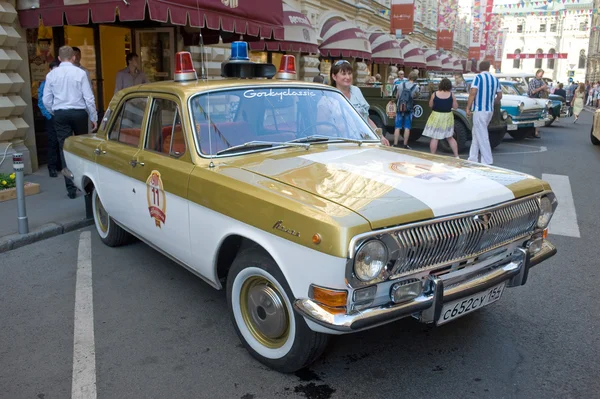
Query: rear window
229,118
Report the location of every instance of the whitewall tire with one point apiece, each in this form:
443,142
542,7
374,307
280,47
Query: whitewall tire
110,233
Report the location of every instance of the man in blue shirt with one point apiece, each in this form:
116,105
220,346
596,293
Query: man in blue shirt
485,91
54,163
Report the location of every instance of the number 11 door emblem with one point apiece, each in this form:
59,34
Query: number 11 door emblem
157,201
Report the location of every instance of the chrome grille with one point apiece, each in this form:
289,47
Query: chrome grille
432,245
530,114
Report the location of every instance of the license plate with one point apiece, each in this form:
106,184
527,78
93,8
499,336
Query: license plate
539,123
455,309
512,127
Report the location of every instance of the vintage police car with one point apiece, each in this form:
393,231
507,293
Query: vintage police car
280,193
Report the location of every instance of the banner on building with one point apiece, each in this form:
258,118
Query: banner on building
486,8
500,43
403,15
542,56
446,24
492,38
475,33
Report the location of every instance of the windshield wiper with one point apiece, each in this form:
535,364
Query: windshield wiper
262,144
318,137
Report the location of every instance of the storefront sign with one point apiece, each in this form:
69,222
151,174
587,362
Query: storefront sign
403,12
39,69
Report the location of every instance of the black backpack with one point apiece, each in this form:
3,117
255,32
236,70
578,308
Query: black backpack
405,99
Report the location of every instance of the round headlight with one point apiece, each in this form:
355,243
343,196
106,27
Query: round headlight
521,107
546,212
504,115
370,260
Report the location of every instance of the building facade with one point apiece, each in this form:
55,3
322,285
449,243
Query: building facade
555,28
593,64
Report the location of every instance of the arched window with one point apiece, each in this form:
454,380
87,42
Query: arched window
582,59
538,61
517,60
551,60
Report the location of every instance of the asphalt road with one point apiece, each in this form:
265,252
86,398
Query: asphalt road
160,332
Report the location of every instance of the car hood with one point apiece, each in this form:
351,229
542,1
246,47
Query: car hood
510,100
389,187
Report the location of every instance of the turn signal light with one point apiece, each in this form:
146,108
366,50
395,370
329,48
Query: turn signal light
329,297
545,234
184,67
287,67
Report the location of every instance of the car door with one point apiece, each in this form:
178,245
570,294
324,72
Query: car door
161,172
114,158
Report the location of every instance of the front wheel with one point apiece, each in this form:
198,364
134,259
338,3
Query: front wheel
461,135
260,305
496,138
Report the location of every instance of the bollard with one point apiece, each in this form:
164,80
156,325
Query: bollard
20,181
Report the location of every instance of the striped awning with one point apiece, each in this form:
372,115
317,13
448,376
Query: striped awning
434,63
457,63
385,49
413,56
299,35
447,62
344,39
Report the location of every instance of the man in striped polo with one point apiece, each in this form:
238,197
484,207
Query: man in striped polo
485,91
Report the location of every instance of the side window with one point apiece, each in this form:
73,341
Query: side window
165,134
127,127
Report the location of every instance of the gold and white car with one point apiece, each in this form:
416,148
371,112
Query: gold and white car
280,193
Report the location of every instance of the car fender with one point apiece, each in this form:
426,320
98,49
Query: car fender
379,111
461,115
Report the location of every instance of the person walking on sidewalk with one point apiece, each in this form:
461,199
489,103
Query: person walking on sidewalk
485,90
130,76
68,95
405,95
54,163
578,101
440,124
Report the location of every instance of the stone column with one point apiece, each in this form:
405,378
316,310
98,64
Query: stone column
16,114
308,67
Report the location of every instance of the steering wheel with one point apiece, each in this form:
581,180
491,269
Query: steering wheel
301,134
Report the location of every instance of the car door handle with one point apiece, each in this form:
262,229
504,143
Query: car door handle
135,163
97,151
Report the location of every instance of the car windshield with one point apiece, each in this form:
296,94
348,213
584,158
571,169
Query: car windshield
510,89
230,118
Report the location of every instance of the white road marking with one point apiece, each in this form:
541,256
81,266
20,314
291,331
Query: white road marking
537,149
564,221
84,350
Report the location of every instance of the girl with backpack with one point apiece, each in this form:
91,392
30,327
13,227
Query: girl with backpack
440,124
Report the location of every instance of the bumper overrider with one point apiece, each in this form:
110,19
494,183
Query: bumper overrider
427,306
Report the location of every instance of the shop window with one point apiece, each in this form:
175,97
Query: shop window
165,134
582,59
127,128
519,28
538,61
551,61
543,28
517,61
553,28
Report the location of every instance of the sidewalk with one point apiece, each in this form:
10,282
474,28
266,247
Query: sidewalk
50,213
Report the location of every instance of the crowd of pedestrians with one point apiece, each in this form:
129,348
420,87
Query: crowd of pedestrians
67,102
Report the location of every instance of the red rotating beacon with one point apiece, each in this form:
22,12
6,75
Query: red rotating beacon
287,68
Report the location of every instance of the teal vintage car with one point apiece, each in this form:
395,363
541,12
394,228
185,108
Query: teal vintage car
524,113
556,104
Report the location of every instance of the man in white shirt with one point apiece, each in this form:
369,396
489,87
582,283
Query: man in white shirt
68,96
130,76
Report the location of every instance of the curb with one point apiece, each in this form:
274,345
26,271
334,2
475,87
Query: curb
14,241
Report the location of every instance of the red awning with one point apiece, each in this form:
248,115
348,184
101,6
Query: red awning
261,18
434,63
299,35
413,56
385,49
344,39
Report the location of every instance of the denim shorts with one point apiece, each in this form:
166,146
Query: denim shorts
403,120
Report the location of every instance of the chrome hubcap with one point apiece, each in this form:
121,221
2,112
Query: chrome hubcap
101,215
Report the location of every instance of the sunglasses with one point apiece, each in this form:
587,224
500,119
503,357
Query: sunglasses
340,62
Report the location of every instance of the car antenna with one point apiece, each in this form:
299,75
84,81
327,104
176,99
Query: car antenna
204,77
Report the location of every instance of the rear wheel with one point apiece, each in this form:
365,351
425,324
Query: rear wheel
595,141
522,134
110,233
496,138
260,304
461,135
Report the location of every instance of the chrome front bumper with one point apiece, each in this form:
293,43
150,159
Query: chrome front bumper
428,306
